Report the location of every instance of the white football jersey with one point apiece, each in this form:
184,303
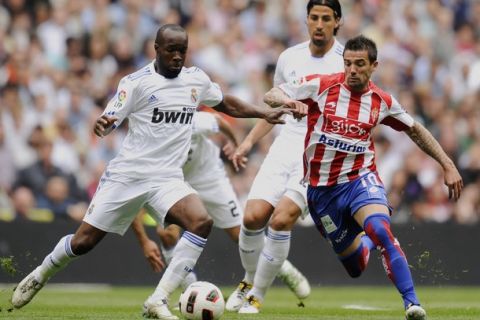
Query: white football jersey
160,113
204,155
296,62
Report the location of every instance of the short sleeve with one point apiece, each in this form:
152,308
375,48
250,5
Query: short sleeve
122,103
205,123
303,88
397,117
212,94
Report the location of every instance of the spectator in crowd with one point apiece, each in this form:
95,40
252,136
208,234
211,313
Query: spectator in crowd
96,42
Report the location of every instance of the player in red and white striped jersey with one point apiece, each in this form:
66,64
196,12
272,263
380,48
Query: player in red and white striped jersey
345,195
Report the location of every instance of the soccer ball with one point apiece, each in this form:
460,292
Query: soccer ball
201,300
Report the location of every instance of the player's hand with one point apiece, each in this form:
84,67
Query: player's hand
229,149
239,158
454,182
298,108
274,116
152,253
103,124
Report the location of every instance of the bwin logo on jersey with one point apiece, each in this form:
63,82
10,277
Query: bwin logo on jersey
172,116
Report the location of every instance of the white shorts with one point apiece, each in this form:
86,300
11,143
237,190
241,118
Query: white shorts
221,202
280,175
118,200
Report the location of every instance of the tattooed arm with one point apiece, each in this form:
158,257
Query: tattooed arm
277,98
425,141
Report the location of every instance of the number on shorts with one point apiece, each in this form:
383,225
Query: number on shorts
371,179
233,208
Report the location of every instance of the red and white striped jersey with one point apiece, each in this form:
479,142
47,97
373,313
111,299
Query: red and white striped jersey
338,144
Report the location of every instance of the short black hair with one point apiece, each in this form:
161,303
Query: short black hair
168,26
360,43
332,4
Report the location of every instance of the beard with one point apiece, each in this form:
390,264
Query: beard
320,43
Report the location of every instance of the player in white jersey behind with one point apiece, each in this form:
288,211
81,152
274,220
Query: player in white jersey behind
159,101
205,172
277,193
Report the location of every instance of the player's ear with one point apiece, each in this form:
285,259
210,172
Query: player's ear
155,45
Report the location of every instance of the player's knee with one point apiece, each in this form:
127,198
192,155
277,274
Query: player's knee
82,244
282,221
254,220
202,227
377,227
357,262
169,239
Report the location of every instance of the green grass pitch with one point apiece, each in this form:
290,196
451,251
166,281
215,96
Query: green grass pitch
372,303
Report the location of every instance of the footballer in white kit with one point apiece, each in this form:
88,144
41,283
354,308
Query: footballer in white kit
205,172
155,147
159,101
277,197
283,171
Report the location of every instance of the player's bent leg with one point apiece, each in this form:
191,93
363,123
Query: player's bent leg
377,227
66,250
191,215
251,238
355,257
169,237
284,217
273,255
250,244
233,233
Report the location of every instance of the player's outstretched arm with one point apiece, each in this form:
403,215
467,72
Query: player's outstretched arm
240,109
275,98
424,139
149,247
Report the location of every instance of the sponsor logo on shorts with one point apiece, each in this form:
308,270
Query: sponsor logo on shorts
342,236
328,224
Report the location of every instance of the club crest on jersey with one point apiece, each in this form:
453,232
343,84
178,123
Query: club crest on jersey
194,95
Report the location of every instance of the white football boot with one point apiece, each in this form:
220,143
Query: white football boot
251,305
157,310
25,290
237,298
295,280
415,312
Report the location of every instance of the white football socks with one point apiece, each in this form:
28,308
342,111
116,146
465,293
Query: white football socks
250,244
185,256
55,261
271,260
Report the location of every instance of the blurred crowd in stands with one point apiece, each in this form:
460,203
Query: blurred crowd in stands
61,60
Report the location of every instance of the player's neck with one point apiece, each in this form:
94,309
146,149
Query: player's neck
320,51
